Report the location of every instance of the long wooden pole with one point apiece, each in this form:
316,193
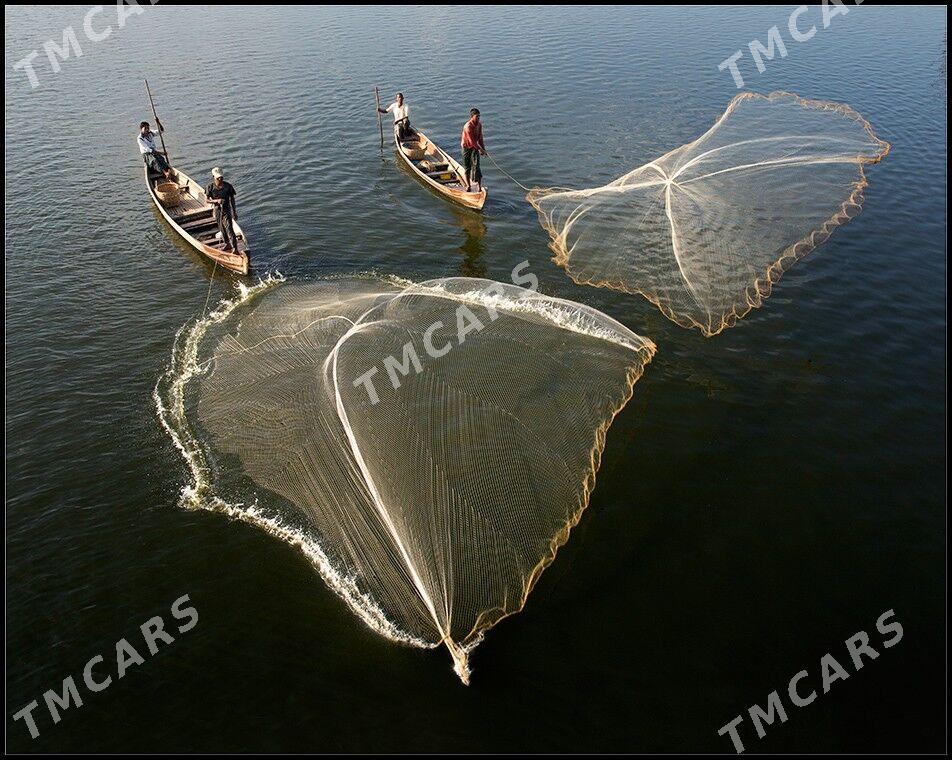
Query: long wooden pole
156,117
379,122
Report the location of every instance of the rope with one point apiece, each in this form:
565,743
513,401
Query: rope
489,156
209,294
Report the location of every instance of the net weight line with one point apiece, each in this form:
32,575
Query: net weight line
507,174
209,294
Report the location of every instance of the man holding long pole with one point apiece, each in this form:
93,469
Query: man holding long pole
401,116
153,158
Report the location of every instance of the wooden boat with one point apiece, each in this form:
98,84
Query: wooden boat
184,206
437,170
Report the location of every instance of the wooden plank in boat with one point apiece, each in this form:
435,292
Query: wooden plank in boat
449,182
192,215
192,218
198,223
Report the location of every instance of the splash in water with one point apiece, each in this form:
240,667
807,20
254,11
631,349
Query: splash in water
433,504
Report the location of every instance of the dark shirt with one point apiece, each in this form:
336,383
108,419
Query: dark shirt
226,194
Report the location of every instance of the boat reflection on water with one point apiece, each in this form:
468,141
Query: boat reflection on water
208,268
473,226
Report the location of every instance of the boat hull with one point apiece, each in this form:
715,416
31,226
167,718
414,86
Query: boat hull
457,195
193,204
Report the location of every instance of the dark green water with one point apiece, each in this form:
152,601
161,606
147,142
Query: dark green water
765,494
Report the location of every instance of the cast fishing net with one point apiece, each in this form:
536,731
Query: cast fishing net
705,230
438,440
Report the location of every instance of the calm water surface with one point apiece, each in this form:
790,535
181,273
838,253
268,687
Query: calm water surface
765,494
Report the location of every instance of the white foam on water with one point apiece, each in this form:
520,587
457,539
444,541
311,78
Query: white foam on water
567,315
199,493
169,398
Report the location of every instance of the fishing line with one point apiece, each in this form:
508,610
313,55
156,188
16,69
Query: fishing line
489,156
209,294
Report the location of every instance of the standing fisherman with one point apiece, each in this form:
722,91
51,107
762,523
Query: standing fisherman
152,156
401,117
221,195
473,146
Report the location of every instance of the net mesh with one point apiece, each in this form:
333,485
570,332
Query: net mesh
442,483
706,230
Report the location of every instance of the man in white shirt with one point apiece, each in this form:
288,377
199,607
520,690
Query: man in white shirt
401,117
153,158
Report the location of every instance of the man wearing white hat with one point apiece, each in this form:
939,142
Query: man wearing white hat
221,195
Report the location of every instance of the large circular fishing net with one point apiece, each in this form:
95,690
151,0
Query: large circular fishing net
705,230
437,440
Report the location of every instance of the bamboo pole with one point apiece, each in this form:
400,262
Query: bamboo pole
379,122
156,117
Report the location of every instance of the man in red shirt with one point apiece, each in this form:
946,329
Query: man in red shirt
473,146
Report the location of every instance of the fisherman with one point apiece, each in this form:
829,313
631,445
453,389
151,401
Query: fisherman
221,195
473,146
401,117
153,157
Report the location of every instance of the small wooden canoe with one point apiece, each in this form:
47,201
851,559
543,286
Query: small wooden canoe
437,170
193,217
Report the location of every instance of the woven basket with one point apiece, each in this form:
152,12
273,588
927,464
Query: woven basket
414,152
169,193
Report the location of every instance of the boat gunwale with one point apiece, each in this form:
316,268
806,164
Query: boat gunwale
460,197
